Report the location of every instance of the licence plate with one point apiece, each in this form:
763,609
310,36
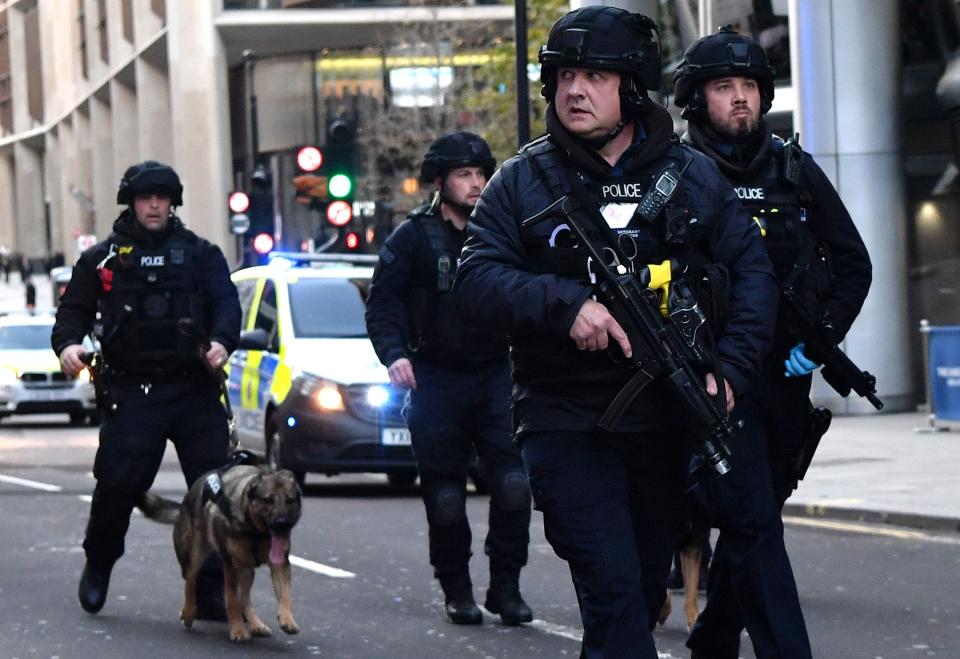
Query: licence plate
41,395
395,437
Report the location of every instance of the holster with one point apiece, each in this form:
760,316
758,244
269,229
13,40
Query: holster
816,424
105,386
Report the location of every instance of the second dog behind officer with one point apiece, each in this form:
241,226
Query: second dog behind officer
459,382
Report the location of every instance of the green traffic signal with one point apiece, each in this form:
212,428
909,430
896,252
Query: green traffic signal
339,186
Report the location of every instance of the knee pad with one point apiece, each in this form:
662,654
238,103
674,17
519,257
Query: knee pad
449,506
513,491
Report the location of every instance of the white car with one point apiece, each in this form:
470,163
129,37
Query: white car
31,381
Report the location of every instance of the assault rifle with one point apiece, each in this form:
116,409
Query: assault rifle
817,336
672,342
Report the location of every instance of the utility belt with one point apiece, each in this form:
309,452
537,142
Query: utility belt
188,373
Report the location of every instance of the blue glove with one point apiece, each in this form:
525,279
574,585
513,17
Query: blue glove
797,363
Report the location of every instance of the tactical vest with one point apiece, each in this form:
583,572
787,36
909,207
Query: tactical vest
152,290
776,199
670,232
435,326
776,202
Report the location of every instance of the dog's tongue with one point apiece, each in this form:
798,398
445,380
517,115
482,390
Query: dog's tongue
278,549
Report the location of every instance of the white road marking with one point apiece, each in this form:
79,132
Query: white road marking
853,527
320,568
46,487
571,633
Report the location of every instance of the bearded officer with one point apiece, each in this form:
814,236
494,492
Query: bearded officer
725,86
610,499
150,280
458,377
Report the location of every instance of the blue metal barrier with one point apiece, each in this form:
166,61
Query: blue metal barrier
944,373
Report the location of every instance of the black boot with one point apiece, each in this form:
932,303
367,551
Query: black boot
503,597
210,600
459,604
93,586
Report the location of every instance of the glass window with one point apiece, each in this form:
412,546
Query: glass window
267,315
25,337
245,290
329,308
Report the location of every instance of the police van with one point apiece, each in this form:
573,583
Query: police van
305,384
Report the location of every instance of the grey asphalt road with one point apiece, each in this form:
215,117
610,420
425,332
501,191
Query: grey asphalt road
363,588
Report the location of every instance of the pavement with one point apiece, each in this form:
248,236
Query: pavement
879,468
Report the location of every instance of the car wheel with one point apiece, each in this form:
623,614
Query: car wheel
77,418
273,457
94,419
402,478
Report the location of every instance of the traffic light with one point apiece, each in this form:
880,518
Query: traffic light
261,212
238,202
352,241
309,182
340,152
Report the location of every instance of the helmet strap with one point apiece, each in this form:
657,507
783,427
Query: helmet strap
598,143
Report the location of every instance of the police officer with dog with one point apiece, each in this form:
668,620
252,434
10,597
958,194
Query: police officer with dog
610,497
161,303
725,86
458,377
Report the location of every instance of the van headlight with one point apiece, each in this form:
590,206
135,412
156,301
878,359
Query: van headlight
377,396
325,394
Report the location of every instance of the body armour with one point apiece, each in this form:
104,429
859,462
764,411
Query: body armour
655,223
776,199
437,332
673,233
150,291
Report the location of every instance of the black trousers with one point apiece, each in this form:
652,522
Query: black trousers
611,507
751,581
450,411
132,442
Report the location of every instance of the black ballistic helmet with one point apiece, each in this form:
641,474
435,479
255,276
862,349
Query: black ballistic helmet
605,38
461,149
726,53
149,176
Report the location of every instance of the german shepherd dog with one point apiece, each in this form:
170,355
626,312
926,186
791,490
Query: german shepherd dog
245,514
690,547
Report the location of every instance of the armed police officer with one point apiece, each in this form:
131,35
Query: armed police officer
610,498
147,293
725,86
458,378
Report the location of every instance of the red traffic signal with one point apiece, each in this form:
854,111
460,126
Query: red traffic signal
309,158
263,243
352,240
238,202
339,213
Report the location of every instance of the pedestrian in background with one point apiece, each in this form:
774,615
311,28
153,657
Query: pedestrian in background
725,86
610,499
458,377
150,280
